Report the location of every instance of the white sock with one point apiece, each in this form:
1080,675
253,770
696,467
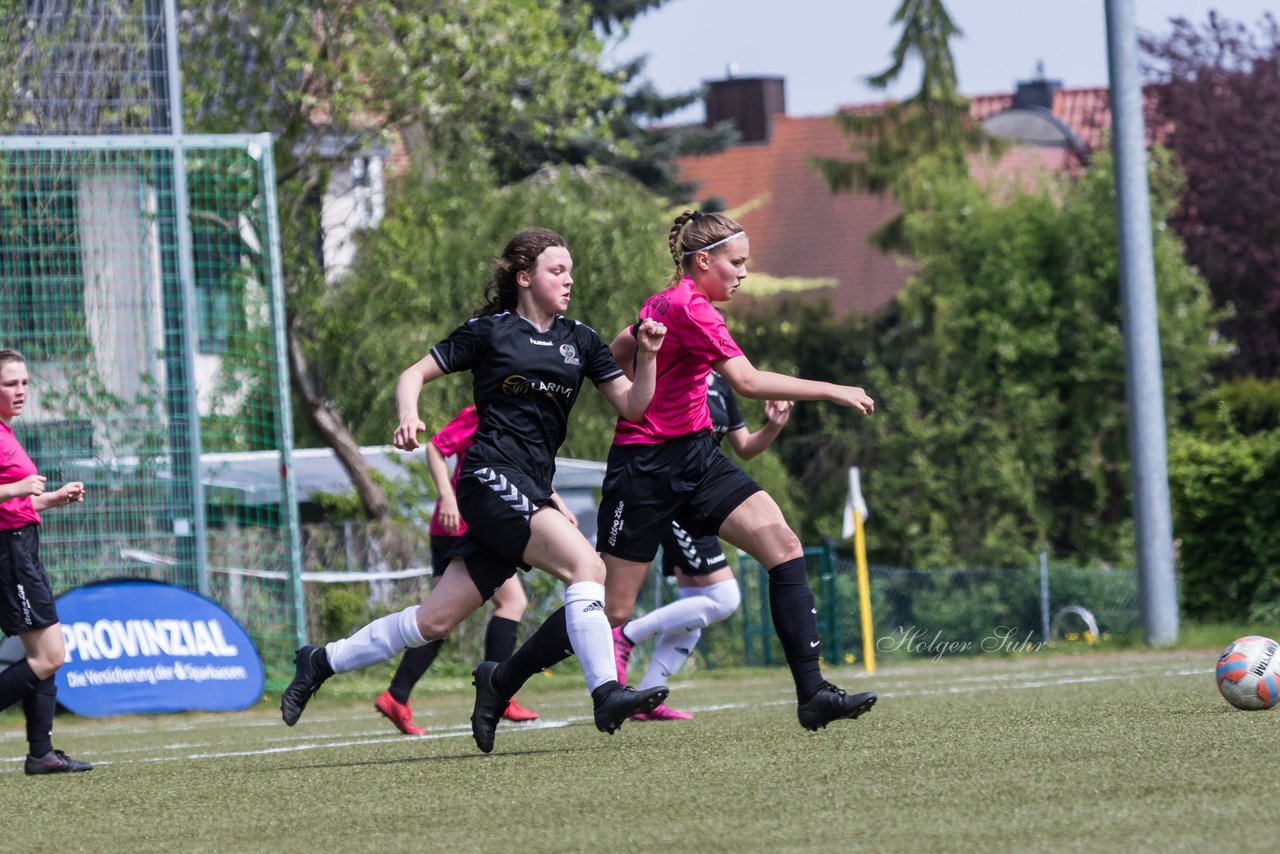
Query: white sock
669,654
589,632
697,608
381,640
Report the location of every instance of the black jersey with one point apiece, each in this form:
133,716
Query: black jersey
723,406
524,383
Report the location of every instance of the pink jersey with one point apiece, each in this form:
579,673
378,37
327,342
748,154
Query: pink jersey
696,337
454,438
14,466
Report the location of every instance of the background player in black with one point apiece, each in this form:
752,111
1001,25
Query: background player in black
528,363
709,592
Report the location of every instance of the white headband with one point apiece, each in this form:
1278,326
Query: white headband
714,245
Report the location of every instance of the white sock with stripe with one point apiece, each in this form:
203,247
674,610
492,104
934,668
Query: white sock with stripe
589,632
381,640
697,608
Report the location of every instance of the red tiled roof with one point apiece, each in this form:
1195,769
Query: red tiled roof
799,228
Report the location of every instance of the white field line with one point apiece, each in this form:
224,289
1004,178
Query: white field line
195,750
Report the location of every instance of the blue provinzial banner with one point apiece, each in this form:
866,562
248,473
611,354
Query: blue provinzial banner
142,646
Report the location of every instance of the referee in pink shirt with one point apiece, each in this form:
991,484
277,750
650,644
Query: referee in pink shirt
26,597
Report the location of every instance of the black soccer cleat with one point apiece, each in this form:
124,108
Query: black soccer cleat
830,703
488,708
615,703
54,762
307,680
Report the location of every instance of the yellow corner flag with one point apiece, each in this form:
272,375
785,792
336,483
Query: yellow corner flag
855,513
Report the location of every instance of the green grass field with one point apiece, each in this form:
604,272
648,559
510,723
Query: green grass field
1103,751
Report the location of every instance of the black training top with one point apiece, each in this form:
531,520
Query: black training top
524,383
725,415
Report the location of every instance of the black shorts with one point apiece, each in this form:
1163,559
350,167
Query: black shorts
693,555
26,597
441,545
497,506
647,487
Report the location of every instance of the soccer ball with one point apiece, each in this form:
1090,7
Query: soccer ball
1248,673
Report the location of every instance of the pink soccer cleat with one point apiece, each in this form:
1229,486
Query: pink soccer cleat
664,713
621,654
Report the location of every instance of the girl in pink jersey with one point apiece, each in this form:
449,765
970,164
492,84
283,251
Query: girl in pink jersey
668,467
26,598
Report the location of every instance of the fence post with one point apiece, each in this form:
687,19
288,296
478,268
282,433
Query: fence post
1044,594
832,642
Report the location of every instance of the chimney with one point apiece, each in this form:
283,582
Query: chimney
1038,92
750,103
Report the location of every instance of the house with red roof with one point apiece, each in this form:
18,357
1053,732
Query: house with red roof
813,243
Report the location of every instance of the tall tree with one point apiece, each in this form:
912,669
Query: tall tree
1218,104
505,86
933,125
1000,422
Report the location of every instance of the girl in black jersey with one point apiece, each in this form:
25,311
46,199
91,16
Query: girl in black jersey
528,362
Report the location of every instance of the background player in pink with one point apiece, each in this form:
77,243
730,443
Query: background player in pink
26,597
447,527
667,465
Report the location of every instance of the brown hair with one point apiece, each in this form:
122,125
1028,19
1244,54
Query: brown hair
520,254
693,231
7,356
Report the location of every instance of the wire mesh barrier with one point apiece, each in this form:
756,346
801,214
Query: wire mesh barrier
937,612
151,320
83,67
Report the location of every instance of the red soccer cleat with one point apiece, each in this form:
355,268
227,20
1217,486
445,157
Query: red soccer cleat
518,713
398,713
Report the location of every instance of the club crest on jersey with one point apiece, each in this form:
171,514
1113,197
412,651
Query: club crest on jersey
518,386
570,354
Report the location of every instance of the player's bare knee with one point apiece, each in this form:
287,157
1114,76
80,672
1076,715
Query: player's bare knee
46,664
617,613
435,627
588,569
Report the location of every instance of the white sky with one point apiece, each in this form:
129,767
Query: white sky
825,48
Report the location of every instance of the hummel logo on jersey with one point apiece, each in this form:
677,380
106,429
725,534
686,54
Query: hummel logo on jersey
541,343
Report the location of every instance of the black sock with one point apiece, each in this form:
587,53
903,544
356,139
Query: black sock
16,682
500,639
39,707
320,659
796,624
413,664
548,645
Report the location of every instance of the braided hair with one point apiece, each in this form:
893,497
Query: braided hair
519,255
693,231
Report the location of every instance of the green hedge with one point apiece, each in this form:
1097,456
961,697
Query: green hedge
1226,509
